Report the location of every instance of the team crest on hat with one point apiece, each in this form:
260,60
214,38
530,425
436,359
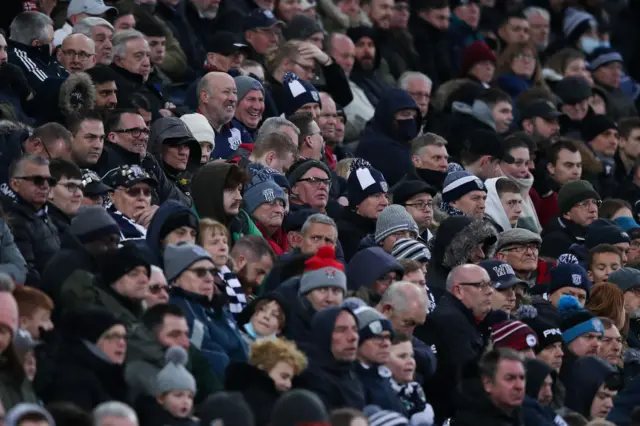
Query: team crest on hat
532,341
597,325
480,184
576,279
384,186
315,96
268,195
268,14
375,327
331,274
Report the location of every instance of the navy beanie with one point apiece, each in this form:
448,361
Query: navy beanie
364,182
458,184
297,93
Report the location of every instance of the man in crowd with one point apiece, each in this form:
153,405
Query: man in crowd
77,53
101,32
430,159
519,248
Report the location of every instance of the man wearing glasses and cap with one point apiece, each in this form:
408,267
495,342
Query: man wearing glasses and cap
504,282
262,33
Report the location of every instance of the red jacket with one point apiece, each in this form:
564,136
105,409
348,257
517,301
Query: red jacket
547,207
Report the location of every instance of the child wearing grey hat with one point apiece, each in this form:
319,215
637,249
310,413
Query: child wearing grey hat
175,386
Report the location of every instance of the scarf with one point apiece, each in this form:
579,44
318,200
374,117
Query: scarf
129,230
529,219
230,284
248,328
450,210
414,400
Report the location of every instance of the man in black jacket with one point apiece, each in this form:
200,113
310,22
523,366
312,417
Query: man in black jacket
34,232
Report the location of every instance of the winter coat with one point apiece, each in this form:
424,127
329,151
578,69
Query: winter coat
371,82
477,409
452,245
300,314
60,220
287,266
211,330
36,62
625,403
176,20
35,236
466,119
151,413
11,260
257,388
377,388
351,229
460,341
433,49
619,103
558,236
584,380
14,391
513,84
369,265
334,382
145,359
633,338
388,152
535,414
129,83
12,136
460,36
165,212
358,113
82,375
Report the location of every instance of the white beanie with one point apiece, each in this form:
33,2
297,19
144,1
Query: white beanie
200,127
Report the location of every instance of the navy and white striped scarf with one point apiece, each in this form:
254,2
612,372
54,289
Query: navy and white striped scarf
237,300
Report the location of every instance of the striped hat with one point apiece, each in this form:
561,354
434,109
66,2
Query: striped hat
387,418
458,184
577,22
514,335
407,248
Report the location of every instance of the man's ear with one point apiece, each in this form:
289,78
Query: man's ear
551,169
499,256
240,262
416,161
294,238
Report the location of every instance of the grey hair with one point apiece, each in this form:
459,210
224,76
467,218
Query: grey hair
87,24
317,218
272,124
18,165
534,10
157,269
30,26
6,283
397,296
403,81
120,40
113,409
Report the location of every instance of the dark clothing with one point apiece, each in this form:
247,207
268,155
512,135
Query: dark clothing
434,178
228,139
633,337
36,62
207,187
167,210
60,219
333,381
257,388
151,413
35,235
625,403
352,228
628,191
371,83
460,36
477,409
460,341
377,388
432,45
546,310
129,83
535,414
287,266
586,376
558,236
300,315
175,18
382,144
369,265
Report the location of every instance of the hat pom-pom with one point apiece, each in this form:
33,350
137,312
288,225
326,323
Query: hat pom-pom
326,252
527,312
289,77
568,304
176,355
359,163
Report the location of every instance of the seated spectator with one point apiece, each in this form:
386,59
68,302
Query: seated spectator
567,62
612,343
519,248
250,106
77,53
34,308
549,346
120,287
264,317
131,200
417,197
592,387
191,271
463,194
370,272
504,203
628,280
519,69
202,132
539,119
265,201
101,32
274,150
108,412
104,80
12,262
66,196
478,63
516,335
272,367
574,94
539,394
600,133
26,414
414,257
158,289
172,223
504,281
604,259
310,182
261,32
607,68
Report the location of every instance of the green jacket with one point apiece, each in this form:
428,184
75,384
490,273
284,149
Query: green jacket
13,393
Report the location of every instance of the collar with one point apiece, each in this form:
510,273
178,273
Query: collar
41,52
578,231
137,78
128,157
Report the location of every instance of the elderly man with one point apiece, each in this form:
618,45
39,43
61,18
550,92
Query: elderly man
519,248
114,412
30,47
218,97
310,182
101,32
262,34
539,26
77,53
419,87
250,106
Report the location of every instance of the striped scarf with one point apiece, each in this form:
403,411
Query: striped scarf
228,282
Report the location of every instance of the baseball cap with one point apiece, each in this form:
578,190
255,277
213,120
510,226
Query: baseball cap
625,278
128,176
540,108
224,43
92,184
259,18
90,7
501,274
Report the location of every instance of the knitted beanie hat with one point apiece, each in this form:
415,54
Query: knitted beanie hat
200,127
603,56
371,323
576,22
177,258
458,184
297,93
604,232
478,51
364,182
245,84
406,248
299,407
262,190
174,375
226,408
574,192
117,263
595,126
323,270
394,218
92,223
183,217
568,275
91,324
547,332
514,335
576,320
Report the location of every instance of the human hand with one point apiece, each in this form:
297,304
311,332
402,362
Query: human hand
143,217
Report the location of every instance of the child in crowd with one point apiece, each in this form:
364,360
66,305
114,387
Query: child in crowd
402,364
263,317
604,259
214,238
504,202
280,359
175,389
35,309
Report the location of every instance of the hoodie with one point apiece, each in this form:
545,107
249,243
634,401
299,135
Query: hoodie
586,377
333,381
384,146
167,210
207,189
494,208
369,265
534,413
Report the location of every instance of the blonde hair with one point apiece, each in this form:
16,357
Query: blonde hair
266,353
343,168
214,227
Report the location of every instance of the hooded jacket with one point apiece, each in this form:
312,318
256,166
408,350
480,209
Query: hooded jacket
207,189
493,207
333,381
625,403
166,210
369,265
61,98
165,131
370,81
452,245
382,144
586,376
352,228
464,120
257,388
432,45
300,314
534,413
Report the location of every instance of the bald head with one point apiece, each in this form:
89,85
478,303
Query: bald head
466,274
77,53
471,285
218,97
405,305
343,51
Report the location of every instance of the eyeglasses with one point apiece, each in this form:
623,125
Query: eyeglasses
158,288
39,180
202,272
115,336
421,205
135,192
316,181
523,248
83,56
136,132
588,203
483,285
72,186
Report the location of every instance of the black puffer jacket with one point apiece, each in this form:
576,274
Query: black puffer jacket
35,235
257,388
558,236
352,228
476,408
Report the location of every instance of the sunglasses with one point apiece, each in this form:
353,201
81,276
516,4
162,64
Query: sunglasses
158,288
39,180
202,272
134,192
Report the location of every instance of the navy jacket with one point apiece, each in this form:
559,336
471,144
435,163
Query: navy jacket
167,210
369,265
377,388
379,144
584,380
300,314
624,404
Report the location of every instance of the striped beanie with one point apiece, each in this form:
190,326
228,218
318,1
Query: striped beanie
602,56
458,184
577,22
514,335
407,248
387,418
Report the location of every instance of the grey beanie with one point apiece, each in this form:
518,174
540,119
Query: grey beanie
517,236
174,375
371,323
301,27
92,223
18,412
245,84
394,218
323,270
177,258
262,192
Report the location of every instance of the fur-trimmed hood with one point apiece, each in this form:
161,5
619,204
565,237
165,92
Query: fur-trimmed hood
338,20
77,94
456,237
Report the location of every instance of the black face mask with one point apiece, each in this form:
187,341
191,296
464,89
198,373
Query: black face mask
405,130
434,178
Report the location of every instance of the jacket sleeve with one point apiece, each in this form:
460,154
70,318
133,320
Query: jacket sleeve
11,260
22,238
337,84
